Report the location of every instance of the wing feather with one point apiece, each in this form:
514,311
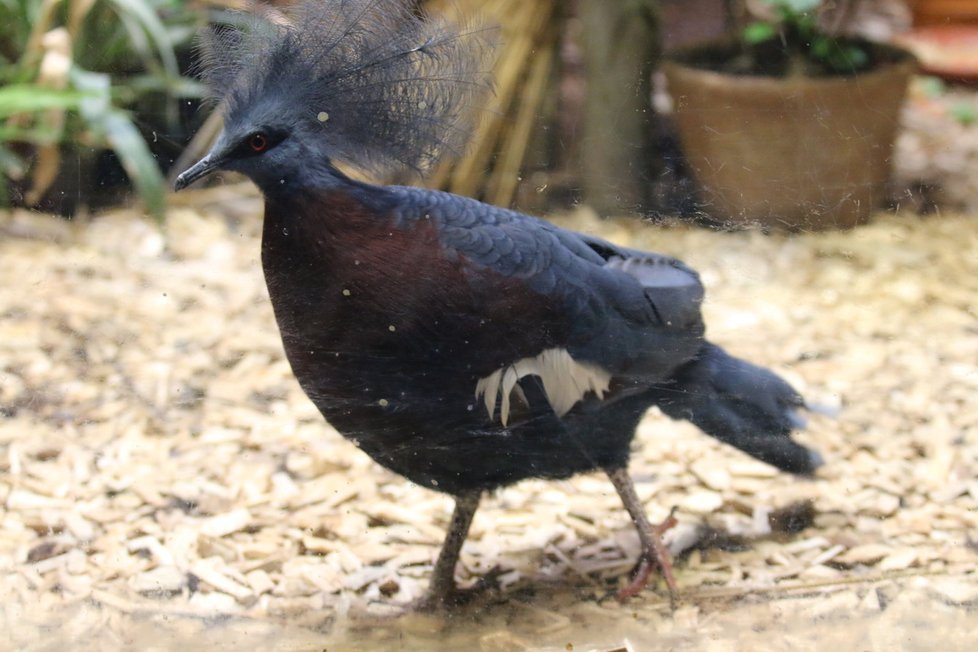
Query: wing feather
629,312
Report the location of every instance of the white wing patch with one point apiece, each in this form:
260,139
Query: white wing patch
565,382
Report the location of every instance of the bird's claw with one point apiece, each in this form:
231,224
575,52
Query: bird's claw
455,597
432,602
656,556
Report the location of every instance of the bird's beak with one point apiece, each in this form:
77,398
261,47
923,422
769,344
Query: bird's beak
198,170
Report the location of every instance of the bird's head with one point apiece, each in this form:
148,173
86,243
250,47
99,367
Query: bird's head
269,144
364,82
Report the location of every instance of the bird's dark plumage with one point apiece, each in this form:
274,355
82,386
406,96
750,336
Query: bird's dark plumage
459,344
740,404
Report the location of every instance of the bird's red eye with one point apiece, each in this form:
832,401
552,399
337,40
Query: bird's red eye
258,142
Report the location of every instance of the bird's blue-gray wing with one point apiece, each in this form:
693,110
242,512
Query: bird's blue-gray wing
633,313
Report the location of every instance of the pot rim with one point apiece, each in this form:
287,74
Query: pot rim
675,61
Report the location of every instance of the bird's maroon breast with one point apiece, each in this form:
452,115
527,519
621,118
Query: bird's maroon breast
367,304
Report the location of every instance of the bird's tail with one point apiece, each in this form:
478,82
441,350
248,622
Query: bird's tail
740,404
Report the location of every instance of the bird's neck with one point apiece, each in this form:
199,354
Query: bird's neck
306,234
287,183
325,220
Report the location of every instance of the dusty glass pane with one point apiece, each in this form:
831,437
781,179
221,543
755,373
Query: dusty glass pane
167,483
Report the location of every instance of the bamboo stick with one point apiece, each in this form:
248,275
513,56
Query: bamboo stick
518,45
506,175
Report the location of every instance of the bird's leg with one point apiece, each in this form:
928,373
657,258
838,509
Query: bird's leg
442,589
654,553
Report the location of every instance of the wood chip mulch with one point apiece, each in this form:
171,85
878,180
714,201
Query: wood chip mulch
164,483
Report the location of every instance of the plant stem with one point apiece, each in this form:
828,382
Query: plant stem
844,14
794,40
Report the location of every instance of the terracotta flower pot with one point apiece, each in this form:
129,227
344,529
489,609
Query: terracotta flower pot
942,12
798,153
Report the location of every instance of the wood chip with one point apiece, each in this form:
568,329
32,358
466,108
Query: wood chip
162,581
899,560
956,591
828,555
259,581
702,502
869,553
871,602
150,546
711,474
19,499
752,469
164,466
213,571
224,524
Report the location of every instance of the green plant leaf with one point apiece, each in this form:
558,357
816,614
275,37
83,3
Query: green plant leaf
931,86
794,6
97,88
134,39
114,127
821,47
179,87
10,164
145,16
966,114
837,55
28,98
856,57
136,159
36,135
12,167
758,32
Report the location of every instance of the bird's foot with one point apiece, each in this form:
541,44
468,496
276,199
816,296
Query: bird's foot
432,602
655,555
453,597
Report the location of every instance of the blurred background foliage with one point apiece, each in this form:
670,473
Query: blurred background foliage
90,94
97,99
